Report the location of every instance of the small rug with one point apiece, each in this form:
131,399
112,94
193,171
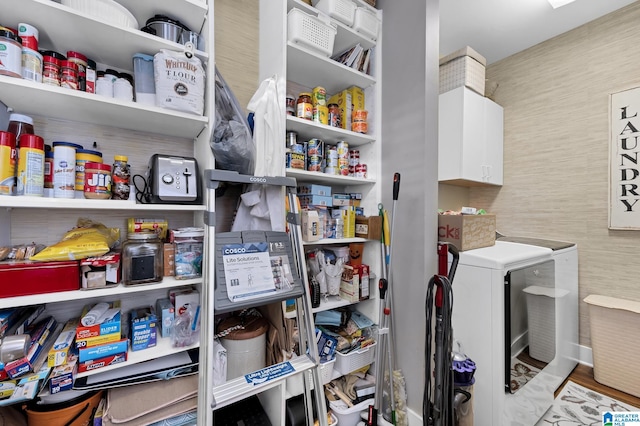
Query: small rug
577,405
521,373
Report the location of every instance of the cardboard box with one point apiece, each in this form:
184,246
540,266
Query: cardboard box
102,351
314,189
100,271
169,259
311,229
109,326
166,314
64,342
315,200
98,340
94,364
369,227
467,232
464,67
62,376
350,284
183,297
347,200
143,328
348,100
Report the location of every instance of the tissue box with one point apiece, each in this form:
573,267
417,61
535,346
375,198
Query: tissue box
467,232
464,67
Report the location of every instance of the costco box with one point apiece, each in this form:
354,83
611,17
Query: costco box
464,67
467,232
614,339
369,227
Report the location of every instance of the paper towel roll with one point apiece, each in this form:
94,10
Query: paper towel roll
94,314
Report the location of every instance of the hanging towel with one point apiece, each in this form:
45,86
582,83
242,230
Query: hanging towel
262,206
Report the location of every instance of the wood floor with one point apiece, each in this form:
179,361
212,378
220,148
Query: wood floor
583,375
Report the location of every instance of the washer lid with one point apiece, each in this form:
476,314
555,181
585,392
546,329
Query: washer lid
505,256
553,245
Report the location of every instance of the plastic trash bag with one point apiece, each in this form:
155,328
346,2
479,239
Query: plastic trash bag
232,142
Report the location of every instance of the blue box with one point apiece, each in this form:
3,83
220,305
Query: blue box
313,189
62,376
143,328
101,351
165,313
315,200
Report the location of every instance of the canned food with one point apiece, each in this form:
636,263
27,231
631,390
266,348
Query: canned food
295,161
314,147
343,150
333,116
319,96
361,171
51,61
359,127
291,105
359,115
292,139
314,163
354,157
321,114
159,226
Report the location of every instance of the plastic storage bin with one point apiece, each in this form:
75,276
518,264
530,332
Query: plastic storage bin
541,316
340,10
349,416
366,23
143,79
310,32
346,363
615,340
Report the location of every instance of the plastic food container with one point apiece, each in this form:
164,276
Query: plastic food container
105,10
144,79
310,32
340,10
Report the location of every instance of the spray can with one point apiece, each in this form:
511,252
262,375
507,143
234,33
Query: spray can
31,166
8,157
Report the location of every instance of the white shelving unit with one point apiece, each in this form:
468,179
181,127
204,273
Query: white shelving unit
112,127
302,69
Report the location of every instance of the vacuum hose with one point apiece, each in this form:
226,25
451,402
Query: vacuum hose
437,404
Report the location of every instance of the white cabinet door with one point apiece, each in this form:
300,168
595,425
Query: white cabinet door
470,139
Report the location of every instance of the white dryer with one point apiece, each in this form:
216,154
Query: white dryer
510,299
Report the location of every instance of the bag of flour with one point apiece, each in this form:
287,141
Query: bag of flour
180,81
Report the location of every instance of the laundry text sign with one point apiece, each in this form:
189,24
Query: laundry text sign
624,170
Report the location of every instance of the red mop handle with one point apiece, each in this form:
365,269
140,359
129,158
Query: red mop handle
396,185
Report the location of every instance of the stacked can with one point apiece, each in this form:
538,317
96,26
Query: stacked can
359,121
320,112
314,155
354,160
331,160
343,158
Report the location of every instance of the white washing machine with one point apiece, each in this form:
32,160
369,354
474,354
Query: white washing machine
517,298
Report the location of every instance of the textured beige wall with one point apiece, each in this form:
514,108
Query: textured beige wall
237,56
556,120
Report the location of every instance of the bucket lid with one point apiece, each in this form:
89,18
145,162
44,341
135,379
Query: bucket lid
253,327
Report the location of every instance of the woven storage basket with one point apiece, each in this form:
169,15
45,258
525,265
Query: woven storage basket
464,67
310,32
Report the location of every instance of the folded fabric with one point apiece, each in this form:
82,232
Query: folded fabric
154,401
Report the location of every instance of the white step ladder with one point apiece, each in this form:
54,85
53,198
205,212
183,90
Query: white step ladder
216,301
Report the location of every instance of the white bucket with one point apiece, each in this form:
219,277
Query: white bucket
246,348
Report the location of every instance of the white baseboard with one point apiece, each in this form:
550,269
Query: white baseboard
585,356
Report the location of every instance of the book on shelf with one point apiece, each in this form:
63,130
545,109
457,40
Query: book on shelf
348,56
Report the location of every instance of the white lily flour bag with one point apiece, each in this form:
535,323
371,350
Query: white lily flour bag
180,81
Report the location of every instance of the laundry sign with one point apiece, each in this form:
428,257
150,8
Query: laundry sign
624,169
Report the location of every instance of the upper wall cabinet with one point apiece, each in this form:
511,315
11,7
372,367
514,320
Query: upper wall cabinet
470,139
